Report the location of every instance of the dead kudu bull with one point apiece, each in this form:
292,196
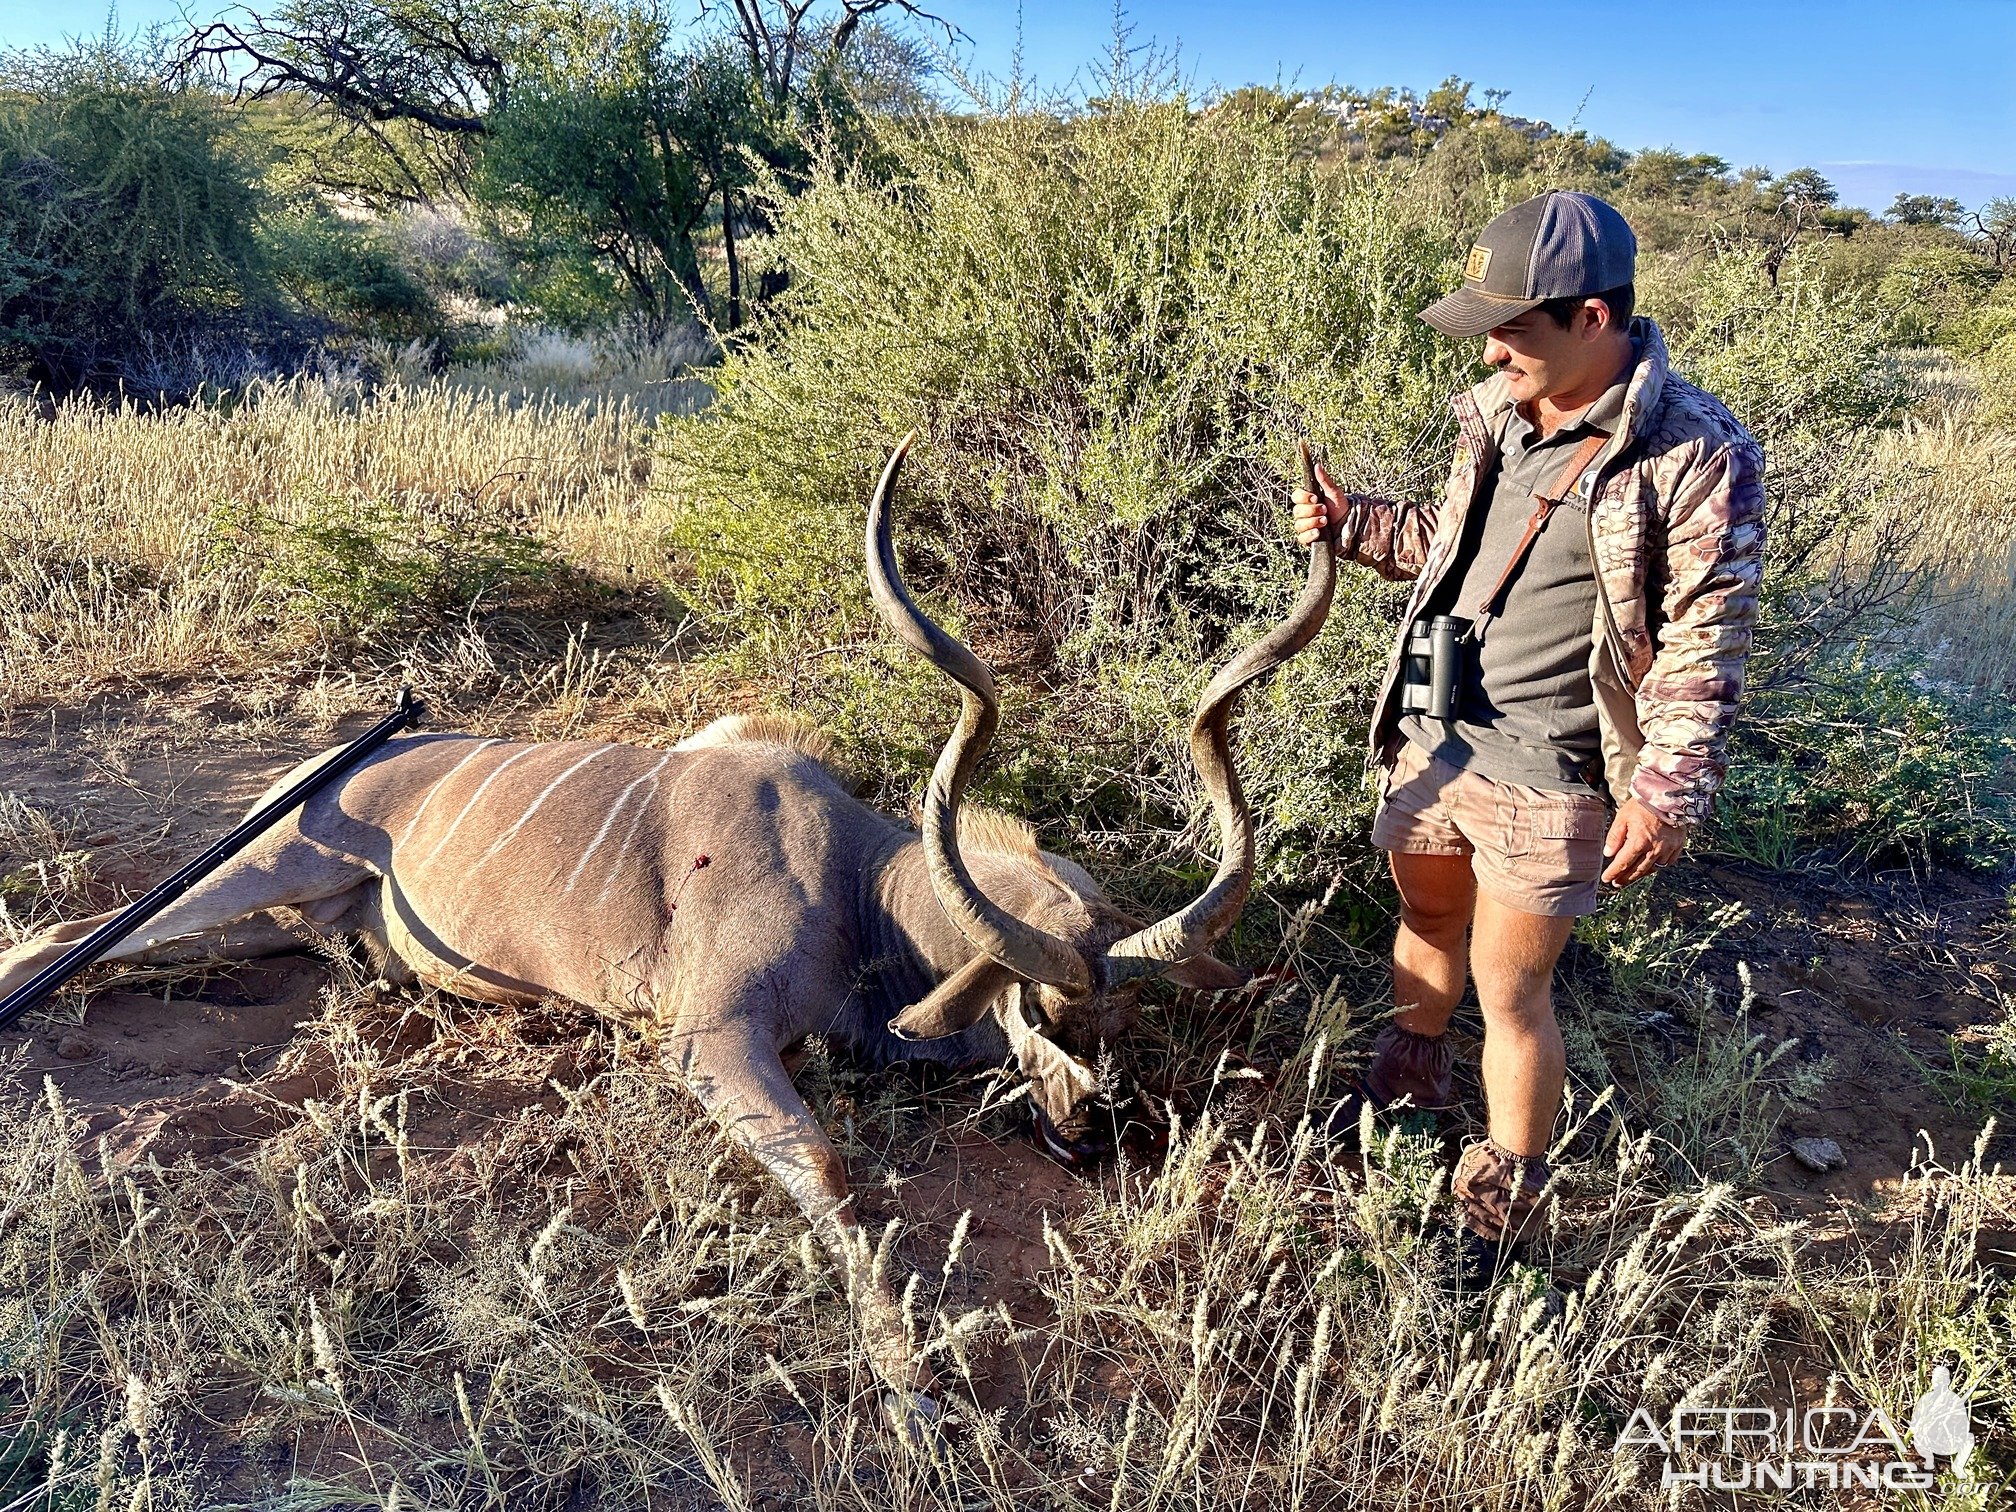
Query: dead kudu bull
732,894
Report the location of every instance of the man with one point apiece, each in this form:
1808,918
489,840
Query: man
1598,544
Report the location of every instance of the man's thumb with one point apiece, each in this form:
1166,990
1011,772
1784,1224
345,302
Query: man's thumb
1614,841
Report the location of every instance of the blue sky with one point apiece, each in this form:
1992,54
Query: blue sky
1878,96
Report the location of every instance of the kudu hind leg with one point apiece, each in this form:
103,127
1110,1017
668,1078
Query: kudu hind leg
742,1083
280,869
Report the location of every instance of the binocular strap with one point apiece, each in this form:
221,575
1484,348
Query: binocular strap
1543,506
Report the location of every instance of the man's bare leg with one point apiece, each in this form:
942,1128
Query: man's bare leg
1437,895
1524,1067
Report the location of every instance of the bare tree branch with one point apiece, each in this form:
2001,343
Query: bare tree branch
1995,227
335,63
775,33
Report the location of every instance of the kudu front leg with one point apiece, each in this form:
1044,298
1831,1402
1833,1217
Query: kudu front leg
741,1081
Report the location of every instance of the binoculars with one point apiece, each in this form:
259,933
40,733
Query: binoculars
1431,668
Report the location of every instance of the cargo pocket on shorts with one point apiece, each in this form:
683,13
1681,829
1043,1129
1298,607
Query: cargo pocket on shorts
1553,839
1571,833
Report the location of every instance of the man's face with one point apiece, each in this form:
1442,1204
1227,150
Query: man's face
1540,358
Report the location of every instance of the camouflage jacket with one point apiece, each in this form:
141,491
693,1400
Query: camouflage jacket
1677,537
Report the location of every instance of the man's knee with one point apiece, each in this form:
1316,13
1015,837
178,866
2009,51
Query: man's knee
1512,958
1439,919
1516,1001
1437,894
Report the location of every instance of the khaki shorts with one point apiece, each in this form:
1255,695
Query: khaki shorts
1531,849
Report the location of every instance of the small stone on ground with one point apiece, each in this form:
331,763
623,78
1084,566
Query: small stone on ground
1818,1154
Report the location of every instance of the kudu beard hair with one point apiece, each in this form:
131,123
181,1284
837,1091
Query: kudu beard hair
732,897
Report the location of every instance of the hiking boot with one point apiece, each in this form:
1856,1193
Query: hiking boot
1403,1064
1500,1204
1501,1195
1478,1267
1478,1260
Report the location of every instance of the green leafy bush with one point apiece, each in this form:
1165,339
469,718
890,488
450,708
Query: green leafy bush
352,271
1110,330
1934,291
1986,333
348,568
1802,361
1865,762
1845,750
1808,366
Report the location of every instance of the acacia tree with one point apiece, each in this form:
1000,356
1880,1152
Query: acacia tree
1799,204
615,145
1661,173
1924,210
1994,224
129,217
447,66
417,79
779,35
582,125
728,131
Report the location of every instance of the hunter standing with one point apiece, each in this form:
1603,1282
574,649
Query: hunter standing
1596,554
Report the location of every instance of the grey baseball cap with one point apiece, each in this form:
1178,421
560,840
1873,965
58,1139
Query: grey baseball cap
1558,245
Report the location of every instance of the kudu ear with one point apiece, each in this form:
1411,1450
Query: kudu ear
958,1002
1206,973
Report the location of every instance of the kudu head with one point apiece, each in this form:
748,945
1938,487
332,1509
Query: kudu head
1061,971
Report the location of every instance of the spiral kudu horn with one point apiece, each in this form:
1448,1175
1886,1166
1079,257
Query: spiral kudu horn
1031,953
1192,930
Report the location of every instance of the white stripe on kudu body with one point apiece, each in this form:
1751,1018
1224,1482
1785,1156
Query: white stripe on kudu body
475,798
623,846
608,823
439,783
533,807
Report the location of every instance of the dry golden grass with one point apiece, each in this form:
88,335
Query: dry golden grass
114,518
580,1295
1957,470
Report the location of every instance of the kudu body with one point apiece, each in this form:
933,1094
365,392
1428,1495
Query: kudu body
733,897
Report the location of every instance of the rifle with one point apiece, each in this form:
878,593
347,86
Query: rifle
87,950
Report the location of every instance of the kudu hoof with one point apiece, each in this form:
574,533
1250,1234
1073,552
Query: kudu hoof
917,1418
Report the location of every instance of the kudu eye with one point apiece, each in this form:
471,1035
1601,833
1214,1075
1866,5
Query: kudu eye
1039,1005
1053,1004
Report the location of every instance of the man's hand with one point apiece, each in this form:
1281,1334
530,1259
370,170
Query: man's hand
1639,843
1322,516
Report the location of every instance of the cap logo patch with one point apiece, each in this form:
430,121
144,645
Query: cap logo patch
1480,259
